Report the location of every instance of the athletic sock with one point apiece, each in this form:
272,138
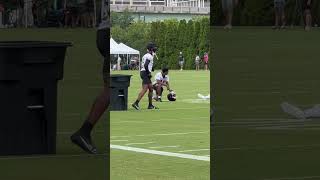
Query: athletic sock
137,102
86,128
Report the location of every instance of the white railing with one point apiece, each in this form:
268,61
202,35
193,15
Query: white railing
186,3
165,3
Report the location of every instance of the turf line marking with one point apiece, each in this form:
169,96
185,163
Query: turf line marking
51,156
168,134
159,147
173,109
269,147
162,153
194,150
118,140
292,178
139,143
262,119
129,121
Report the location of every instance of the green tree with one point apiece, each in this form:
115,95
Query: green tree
123,19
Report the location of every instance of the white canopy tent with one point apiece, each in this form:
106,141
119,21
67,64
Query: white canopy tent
122,49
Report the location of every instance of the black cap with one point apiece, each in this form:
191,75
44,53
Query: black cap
152,47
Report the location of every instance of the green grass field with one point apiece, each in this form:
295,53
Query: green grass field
256,69
178,127
82,81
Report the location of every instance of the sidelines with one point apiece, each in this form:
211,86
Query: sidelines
161,153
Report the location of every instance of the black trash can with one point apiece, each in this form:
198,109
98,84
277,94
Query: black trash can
29,72
119,92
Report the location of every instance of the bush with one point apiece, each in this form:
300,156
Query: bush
261,13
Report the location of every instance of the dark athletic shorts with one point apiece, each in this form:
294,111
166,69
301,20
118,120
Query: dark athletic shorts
103,47
306,6
145,78
106,71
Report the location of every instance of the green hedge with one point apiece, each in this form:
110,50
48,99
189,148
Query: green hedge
171,37
261,13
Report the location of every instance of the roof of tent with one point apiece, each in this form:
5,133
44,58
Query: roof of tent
128,49
121,48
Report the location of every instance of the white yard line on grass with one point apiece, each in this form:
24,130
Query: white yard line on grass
195,150
120,140
165,134
166,119
161,153
268,147
260,119
160,147
139,143
174,109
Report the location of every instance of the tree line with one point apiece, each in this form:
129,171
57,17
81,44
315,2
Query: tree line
171,36
261,12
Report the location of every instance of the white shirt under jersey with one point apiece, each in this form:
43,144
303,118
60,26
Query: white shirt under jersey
159,77
146,57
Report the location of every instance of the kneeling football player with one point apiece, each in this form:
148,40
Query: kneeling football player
161,80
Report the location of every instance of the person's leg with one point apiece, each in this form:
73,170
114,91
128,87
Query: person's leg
161,91
99,106
82,137
230,15
142,93
277,16
150,94
150,106
230,7
145,85
308,19
158,90
283,16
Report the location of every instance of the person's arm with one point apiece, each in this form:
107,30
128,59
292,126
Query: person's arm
168,87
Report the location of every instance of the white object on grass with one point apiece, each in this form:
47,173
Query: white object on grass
293,110
161,153
204,97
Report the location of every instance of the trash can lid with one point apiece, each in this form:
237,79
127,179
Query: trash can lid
30,44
